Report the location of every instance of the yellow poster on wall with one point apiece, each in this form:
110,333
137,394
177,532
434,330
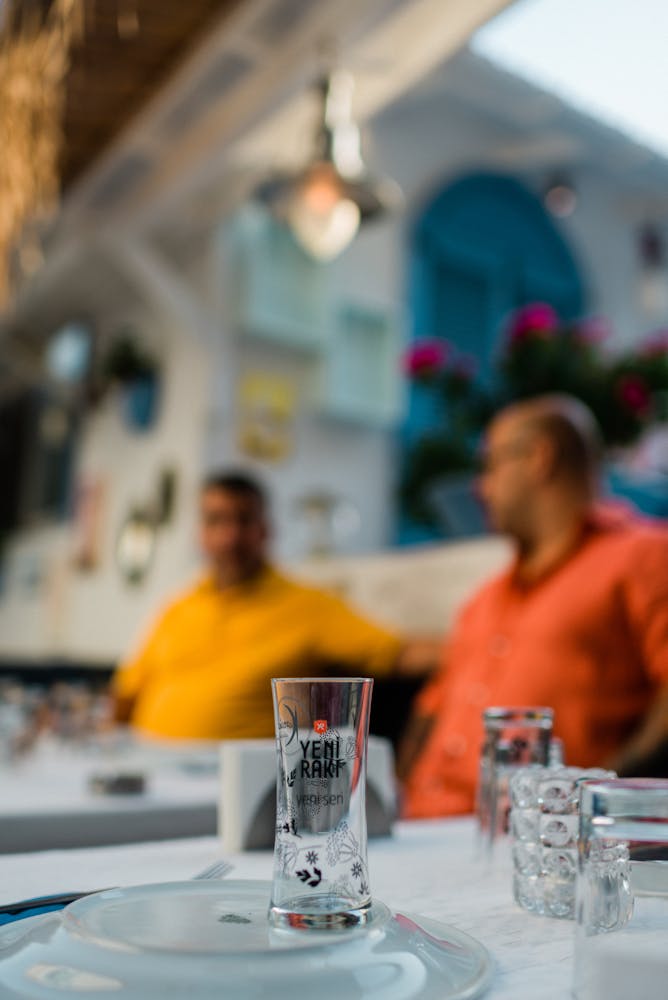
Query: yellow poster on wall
267,405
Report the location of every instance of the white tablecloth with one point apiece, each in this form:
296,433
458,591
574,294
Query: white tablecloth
426,868
45,799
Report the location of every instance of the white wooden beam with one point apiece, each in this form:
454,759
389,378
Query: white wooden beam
149,270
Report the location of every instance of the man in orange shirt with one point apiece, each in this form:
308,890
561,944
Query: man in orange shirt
204,671
579,621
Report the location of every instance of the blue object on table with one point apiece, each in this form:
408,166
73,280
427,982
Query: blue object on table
35,911
38,905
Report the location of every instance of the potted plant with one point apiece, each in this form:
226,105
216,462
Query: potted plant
128,365
445,456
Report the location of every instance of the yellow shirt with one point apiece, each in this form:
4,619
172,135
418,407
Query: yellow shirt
205,670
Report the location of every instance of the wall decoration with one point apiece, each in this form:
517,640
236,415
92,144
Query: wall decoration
267,408
327,520
136,543
87,526
166,494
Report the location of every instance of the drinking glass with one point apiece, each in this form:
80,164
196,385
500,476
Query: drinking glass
622,890
544,830
321,875
514,738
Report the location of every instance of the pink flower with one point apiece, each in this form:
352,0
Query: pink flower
634,393
594,330
425,358
535,318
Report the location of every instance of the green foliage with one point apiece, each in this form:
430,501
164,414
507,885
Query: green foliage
434,457
126,360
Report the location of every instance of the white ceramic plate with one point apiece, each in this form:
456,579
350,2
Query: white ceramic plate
205,940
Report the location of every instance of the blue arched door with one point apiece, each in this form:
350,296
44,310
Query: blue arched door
481,248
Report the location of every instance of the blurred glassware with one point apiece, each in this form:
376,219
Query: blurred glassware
622,890
18,718
72,712
514,738
79,712
544,828
555,757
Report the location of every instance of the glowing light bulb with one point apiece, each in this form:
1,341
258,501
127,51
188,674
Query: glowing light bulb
322,218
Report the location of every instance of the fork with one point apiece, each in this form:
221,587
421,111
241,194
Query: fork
219,869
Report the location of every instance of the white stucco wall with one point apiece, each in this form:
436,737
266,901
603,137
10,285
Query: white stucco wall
94,614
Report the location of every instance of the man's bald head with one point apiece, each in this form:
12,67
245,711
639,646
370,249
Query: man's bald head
538,451
570,428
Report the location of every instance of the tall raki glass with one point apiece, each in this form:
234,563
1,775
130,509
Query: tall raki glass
321,875
515,737
621,945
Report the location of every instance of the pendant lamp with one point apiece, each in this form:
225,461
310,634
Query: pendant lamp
326,201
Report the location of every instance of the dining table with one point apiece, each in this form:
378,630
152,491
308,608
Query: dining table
55,795
432,868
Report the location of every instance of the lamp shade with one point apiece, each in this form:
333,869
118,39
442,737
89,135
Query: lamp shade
326,201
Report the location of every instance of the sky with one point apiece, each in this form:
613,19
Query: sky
607,58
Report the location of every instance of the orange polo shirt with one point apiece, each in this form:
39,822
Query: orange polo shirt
205,670
589,639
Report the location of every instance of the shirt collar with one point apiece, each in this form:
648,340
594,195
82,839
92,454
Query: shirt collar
602,517
262,581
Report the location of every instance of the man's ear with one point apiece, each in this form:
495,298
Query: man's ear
544,458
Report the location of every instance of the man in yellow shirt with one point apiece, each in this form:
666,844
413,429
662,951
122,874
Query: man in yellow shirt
204,671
